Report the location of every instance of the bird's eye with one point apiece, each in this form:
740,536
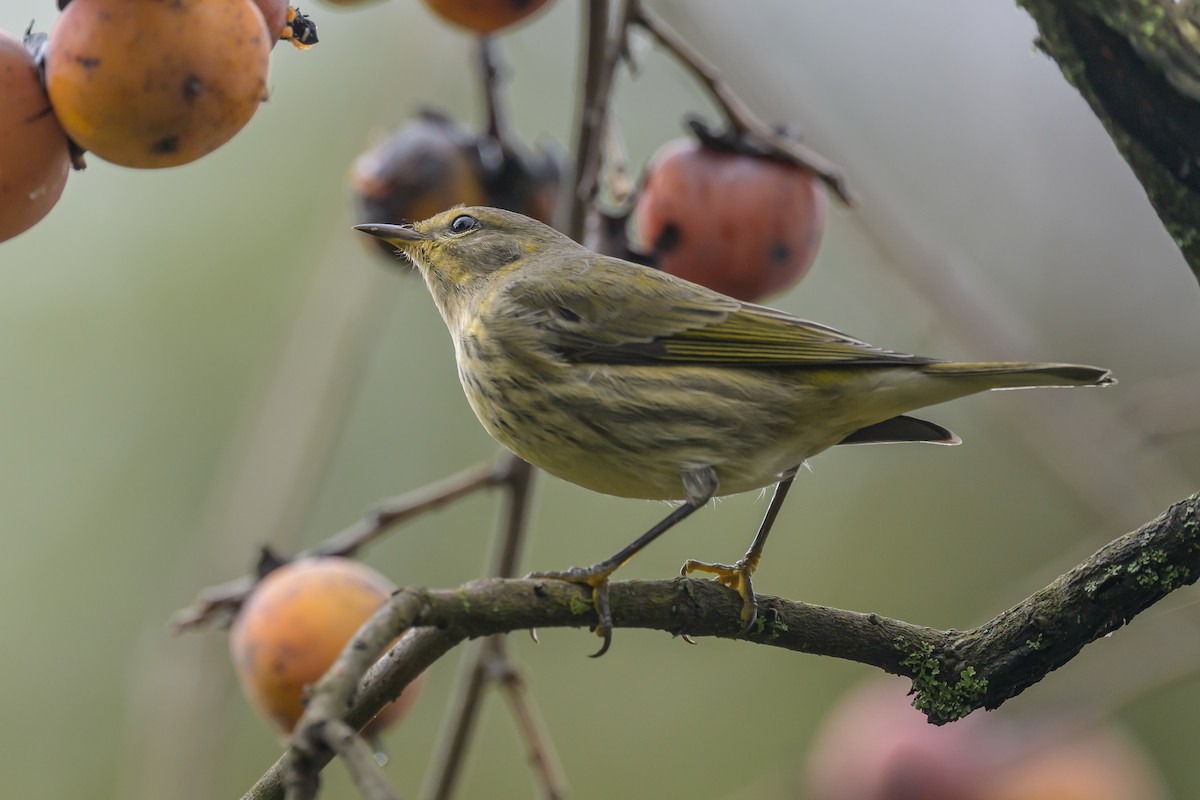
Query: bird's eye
463,223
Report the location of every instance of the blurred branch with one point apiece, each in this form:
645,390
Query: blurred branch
524,712
766,140
222,601
467,694
488,664
953,672
496,124
600,60
1099,455
1137,64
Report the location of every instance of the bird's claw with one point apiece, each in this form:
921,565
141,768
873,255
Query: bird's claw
595,578
604,624
736,577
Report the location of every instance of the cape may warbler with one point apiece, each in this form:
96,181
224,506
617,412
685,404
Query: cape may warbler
632,382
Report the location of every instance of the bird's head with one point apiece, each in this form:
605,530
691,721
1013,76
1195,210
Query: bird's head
458,250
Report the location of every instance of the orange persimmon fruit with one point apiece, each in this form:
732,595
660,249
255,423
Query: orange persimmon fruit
157,84
294,625
34,160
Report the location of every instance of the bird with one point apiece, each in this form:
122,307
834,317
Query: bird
632,382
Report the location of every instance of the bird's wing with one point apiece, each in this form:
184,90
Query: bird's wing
603,310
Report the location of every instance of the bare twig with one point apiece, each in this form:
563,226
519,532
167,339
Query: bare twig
1100,457
539,747
300,783
600,59
360,761
467,694
738,114
621,186
462,712
223,600
496,124
399,509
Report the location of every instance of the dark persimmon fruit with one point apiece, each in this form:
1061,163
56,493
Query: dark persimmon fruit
744,225
34,161
157,84
294,625
431,163
424,167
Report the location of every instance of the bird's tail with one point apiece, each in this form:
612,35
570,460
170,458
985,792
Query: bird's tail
1018,375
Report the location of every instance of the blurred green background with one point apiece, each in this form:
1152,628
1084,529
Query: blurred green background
203,359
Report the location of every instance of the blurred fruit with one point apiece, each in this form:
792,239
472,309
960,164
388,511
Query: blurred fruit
294,625
744,225
484,16
34,160
156,84
875,746
431,163
424,167
1095,764
275,15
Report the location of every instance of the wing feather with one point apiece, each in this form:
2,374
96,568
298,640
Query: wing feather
629,314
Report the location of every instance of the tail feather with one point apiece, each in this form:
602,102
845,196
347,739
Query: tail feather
902,429
1016,374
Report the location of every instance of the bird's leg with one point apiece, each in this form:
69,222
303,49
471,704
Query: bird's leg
699,485
737,576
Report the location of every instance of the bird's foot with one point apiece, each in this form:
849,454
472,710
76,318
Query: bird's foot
596,579
736,577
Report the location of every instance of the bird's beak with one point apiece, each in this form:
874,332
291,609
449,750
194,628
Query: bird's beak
398,236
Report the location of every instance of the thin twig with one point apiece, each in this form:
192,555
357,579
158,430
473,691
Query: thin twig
621,187
300,781
1099,456
399,509
738,114
223,600
600,59
495,110
546,766
463,714
360,761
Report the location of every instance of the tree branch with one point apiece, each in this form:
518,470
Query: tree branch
953,672
1137,64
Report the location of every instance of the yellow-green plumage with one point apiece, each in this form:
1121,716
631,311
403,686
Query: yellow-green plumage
621,378
636,383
